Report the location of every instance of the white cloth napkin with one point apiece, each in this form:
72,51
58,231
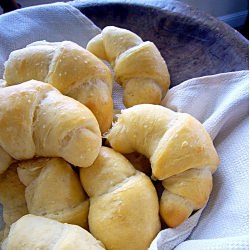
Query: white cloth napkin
220,102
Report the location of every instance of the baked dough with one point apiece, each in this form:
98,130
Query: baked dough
36,119
6,160
71,69
181,153
12,197
53,190
124,209
138,66
185,193
34,232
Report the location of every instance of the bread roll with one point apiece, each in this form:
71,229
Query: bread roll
34,232
124,209
12,197
37,120
139,67
185,193
71,69
181,153
54,191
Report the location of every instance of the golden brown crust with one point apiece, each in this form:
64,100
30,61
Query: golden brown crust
180,150
38,120
73,70
138,66
193,184
54,191
151,66
124,209
174,209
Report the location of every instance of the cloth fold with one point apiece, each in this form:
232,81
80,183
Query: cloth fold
52,22
212,99
220,102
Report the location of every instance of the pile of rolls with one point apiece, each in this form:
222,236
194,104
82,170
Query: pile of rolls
70,177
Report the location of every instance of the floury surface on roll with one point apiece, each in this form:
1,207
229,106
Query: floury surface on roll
124,207
138,66
37,120
71,69
35,232
181,153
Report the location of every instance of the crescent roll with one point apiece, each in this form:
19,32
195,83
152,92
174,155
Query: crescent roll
138,66
35,232
71,69
54,190
37,120
180,151
124,208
